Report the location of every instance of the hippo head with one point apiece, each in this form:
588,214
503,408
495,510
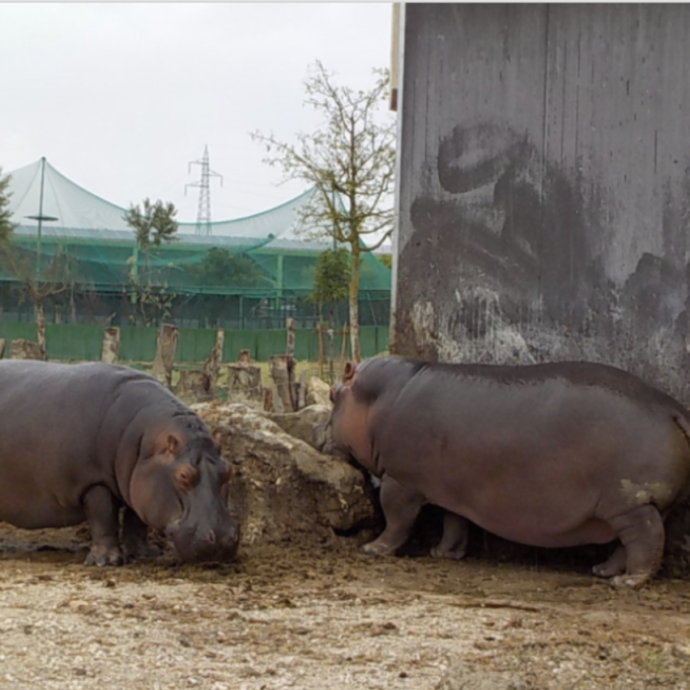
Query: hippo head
347,431
181,489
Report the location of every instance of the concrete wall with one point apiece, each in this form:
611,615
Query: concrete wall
544,189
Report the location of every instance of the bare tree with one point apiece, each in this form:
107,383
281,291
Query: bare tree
36,284
350,162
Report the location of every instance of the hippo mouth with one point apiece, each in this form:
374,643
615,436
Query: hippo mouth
193,544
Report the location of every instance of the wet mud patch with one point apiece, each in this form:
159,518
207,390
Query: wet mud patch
306,615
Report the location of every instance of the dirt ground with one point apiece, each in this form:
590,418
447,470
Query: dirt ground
327,617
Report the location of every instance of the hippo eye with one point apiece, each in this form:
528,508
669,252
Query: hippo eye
185,476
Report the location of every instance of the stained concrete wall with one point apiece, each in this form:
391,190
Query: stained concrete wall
544,190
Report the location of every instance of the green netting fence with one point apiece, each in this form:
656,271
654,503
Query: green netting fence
66,342
245,273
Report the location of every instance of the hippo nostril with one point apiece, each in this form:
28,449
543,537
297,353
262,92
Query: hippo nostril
211,537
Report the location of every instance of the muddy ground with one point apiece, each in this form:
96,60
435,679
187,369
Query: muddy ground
326,616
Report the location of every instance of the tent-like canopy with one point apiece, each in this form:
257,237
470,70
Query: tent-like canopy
81,213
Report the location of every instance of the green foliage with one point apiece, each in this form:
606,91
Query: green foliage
153,224
222,268
6,225
386,260
331,276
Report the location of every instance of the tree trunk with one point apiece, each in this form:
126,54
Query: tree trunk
212,365
354,305
166,344
40,326
111,345
2,347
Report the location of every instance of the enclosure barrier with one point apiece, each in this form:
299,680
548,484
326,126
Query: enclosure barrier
138,343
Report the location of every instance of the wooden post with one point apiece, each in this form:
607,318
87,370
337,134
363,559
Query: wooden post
166,344
212,365
26,349
290,362
319,331
244,378
278,369
194,386
290,347
2,347
111,345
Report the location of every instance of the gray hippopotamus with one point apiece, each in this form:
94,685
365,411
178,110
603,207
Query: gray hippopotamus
78,442
551,455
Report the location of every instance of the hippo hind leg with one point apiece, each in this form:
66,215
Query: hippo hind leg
401,507
614,565
641,532
102,513
453,543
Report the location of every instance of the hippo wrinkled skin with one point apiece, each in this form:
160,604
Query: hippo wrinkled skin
80,441
551,455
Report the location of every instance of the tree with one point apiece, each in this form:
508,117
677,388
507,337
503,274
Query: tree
350,162
331,278
153,224
36,283
6,225
222,268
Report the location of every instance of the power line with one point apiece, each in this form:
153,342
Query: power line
203,216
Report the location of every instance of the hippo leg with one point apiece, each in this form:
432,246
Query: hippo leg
102,513
615,565
641,532
401,507
453,543
135,537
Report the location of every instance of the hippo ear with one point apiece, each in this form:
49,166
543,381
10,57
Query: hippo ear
348,372
185,475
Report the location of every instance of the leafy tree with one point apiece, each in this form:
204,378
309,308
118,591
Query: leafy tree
6,225
153,225
331,278
350,162
222,268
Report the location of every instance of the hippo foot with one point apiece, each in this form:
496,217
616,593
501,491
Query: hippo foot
376,548
454,554
615,565
101,557
633,581
142,551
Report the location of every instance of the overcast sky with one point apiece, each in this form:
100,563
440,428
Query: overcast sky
121,97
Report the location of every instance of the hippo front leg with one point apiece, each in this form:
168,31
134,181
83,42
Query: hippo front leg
135,537
453,543
401,507
102,513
